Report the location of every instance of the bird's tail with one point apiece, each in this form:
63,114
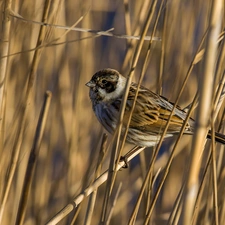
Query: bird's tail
220,138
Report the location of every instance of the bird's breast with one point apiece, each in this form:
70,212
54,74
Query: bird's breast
107,116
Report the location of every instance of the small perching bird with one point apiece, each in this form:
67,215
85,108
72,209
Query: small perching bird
150,114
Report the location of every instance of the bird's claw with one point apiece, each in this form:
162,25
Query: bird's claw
124,159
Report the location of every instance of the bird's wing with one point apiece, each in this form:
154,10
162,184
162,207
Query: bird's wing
152,111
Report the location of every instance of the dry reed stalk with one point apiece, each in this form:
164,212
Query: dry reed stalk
76,201
127,18
116,151
202,187
142,71
168,165
18,143
150,210
33,159
146,60
112,207
176,211
169,162
203,112
92,199
4,50
130,43
214,174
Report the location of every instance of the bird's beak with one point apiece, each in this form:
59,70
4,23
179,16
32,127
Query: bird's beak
90,84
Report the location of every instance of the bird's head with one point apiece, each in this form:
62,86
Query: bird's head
106,85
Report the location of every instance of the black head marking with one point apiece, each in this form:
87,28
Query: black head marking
106,79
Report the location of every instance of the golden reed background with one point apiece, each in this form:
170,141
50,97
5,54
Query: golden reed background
72,136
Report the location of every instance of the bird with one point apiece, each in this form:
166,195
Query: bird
150,114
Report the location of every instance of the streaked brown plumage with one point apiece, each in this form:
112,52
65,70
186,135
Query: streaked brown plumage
150,114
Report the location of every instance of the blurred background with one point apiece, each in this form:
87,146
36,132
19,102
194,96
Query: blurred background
72,135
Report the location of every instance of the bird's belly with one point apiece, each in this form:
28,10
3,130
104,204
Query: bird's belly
141,138
109,118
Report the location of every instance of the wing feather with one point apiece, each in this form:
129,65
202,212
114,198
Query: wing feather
151,112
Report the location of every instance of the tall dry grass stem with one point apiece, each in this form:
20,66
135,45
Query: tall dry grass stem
25,103
116,150
4,50
33,157
203,111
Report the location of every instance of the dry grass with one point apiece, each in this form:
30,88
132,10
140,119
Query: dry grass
155,188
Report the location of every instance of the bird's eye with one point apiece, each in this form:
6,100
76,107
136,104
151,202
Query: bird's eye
106,84
104,81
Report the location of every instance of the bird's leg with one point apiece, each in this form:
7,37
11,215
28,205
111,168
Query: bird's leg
125,158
